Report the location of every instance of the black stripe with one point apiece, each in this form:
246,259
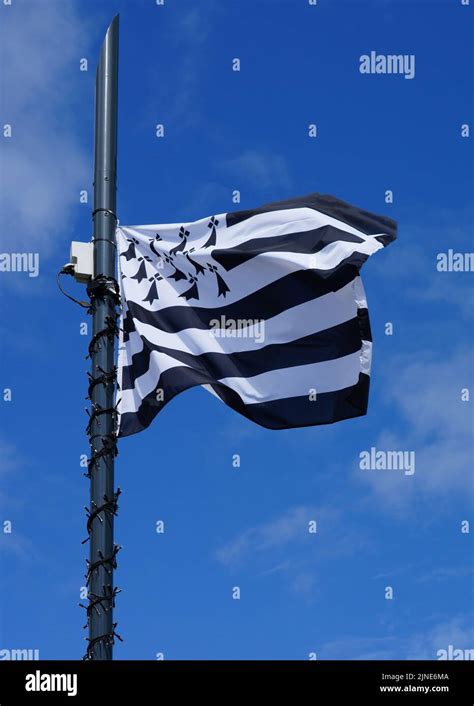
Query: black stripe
276,297
309,241
364,324
329,407
365,221
334,342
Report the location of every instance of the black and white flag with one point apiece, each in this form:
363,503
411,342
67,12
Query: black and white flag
263,308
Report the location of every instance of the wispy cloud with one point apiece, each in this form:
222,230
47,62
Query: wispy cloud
259,169
17,545
284,546
421,644
426,393
10,461
445,573
44,164
419,575
11,543
291,526
410,264
176,95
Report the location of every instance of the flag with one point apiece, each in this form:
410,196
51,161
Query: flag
263,308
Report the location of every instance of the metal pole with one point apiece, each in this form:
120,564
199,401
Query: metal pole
103,292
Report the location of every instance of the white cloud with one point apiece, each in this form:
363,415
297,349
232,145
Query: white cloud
44,162
426,394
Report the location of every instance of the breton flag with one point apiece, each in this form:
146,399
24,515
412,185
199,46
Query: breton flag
263,308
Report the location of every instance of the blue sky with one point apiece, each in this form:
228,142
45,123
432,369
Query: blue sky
247,527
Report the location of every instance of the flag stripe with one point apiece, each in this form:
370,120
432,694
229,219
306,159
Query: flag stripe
331,406
328,344
309,242
367,222
165,375
282,294
310,317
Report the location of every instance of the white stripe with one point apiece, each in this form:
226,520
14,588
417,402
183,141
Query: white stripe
328,376
366,357
359,293
293,220
262,225
169,231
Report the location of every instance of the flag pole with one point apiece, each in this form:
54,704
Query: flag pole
104,295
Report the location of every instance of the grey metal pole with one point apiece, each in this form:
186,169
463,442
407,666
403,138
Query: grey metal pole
104,298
